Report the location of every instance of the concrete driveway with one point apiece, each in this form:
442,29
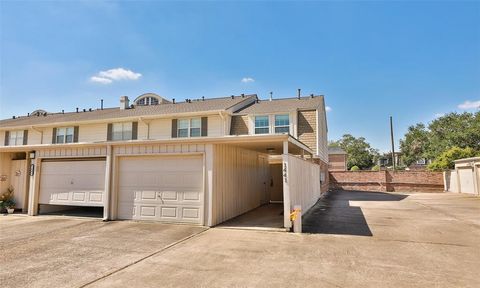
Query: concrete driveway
384,239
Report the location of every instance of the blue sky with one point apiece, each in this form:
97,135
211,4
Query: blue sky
411,60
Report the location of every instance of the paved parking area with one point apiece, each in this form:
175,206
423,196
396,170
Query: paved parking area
384,240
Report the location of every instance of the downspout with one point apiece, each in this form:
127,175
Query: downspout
39,131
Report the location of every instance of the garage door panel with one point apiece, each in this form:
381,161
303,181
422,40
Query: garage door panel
76,183
173,185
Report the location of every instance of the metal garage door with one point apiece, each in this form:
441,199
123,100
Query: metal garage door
466,180
76,183
166,188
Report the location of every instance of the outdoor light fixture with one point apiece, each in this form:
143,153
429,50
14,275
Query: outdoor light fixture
32,155
270,150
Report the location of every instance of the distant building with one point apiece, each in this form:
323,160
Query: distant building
337,159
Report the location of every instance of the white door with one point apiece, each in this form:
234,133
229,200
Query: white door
466,180
166,188
18,177
75,183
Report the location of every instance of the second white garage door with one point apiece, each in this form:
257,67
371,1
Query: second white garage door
166,188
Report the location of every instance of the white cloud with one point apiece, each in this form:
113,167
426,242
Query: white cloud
469,105
100,80
116,74
248,80
328,108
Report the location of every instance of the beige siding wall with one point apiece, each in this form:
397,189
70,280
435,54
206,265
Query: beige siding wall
238,182
307,128
322,147
161,129
303,182
5,161
34,137
91,133
216,126
72,152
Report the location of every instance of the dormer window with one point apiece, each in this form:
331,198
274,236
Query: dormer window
148,101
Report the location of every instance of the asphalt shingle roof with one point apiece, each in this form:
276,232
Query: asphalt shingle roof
212,104
283,105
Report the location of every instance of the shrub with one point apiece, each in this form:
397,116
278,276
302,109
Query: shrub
447,158
355,168
376,168
6,199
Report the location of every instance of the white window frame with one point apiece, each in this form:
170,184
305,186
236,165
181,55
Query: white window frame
281,126
64,132
17,137
271,123
190,127
126,130
261,127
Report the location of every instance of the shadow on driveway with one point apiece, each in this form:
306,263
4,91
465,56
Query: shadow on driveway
334,215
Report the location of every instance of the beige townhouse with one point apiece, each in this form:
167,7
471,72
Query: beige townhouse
199,161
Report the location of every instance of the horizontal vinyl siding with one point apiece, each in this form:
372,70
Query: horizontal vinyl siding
215,126
237,182
161,129
91,133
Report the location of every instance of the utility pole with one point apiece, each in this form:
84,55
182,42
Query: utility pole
393,143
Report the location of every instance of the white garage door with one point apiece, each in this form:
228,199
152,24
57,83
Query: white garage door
166,188
76,183
466,180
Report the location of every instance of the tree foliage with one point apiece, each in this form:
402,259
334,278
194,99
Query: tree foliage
447,158
359,151
460,130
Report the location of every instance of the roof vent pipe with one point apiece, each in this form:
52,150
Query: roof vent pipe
299,90
28,114
77,109
243,95
63,111
271,96
101,104
13,117
173,100
311,95
234,96
203,98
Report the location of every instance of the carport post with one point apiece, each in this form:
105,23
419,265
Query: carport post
34,186
108,176
286,192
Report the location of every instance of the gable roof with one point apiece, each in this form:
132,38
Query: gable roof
212,104
283,105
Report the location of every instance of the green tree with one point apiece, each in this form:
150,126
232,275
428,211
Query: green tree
359,151
453,130
415,144
447,158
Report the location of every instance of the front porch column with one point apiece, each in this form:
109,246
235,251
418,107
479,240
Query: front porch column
108,180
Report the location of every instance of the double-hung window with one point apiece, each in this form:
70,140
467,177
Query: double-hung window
262,125
189,128
15,138
282,123
64,135
122,131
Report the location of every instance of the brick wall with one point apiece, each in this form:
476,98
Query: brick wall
239,125
388,181
307,128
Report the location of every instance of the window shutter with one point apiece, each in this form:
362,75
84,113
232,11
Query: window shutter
174,128
54,136
109,131
204,126
25,137
134,130
75,134
7,136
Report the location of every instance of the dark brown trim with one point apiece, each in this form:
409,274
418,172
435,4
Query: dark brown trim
134,130
204,126
7,137
109,131
25,137
75,134
54,136
174,128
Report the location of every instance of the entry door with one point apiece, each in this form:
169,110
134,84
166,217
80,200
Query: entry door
18,176
164,188
264,173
